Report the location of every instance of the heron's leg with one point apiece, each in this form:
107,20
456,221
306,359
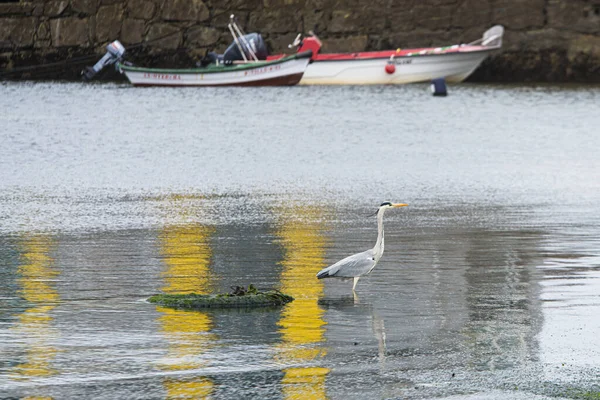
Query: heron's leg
355,297
356,278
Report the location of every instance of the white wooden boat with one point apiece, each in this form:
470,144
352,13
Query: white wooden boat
453,63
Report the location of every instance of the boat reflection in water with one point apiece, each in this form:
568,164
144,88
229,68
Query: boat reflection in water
38,287
186,254
302,237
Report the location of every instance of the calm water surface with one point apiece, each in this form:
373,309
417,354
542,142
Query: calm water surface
489,286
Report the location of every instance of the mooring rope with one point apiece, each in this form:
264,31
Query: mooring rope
53,65
49,68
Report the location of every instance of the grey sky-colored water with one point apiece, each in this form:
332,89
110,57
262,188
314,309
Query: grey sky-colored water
488,287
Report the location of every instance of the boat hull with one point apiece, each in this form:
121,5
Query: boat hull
282,73
454,67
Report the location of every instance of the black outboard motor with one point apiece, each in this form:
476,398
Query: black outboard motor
256,43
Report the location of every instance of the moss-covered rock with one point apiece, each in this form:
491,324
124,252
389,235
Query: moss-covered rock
238,298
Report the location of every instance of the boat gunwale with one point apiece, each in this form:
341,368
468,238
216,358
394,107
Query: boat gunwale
404,54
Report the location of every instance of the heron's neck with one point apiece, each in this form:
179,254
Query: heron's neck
378,249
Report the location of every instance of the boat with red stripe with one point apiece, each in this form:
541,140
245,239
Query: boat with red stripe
454,63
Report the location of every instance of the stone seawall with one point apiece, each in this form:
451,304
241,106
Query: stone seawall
545,40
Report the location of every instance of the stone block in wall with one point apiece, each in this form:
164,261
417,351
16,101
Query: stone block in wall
545,40
326,6
88,7
377,42
471,13
314,20
357,20
140,9
416,38
401,20
185,10
16,9
69,31
348,44
576,15
278,44
38,10
433,18
92,29
466,35
362,5
535,40
55,8
164,36
132,31
586,45
245,5
17,32
220,19
436,3
274,21
518,14
43,31
529,66
283,3
342,21
513,41
42,44
108,22
201,36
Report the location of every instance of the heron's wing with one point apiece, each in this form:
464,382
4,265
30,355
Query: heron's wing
354,265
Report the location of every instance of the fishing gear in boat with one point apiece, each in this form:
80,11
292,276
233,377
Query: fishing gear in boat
245,47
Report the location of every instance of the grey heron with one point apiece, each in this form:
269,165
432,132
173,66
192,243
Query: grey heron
363,263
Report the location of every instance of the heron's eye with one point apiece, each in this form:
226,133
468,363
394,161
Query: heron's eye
385,203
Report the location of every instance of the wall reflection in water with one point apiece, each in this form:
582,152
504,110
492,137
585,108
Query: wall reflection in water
186,254
504,310
301,325
37,282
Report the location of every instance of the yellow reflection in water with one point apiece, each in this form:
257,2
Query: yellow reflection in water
187,255
301,325
37,286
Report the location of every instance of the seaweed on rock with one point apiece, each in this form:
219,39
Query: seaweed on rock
240,297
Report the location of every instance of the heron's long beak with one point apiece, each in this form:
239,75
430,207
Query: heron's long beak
400,205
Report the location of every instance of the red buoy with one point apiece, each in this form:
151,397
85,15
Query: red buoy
390,68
